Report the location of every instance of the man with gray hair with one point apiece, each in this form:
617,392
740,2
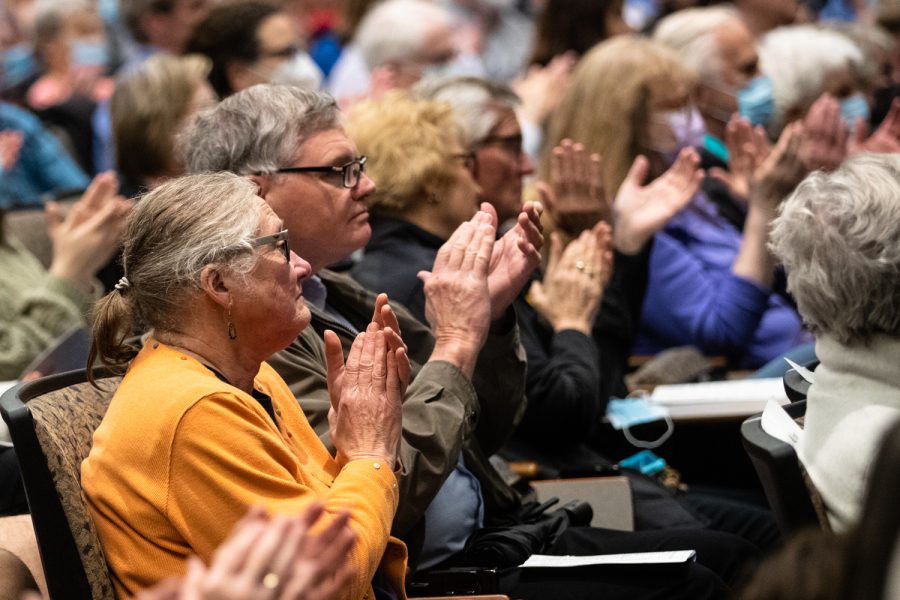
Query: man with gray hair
718,46
395,44
465,398
486,111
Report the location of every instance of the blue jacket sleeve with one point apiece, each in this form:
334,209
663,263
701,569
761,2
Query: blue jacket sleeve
688,304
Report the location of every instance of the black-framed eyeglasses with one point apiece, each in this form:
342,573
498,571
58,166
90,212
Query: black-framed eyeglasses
275,238
510,143
286,52
470,161
350,172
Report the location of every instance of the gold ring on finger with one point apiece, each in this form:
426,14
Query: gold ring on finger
271,581
580,265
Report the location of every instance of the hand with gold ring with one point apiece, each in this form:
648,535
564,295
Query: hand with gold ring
277,559
569,295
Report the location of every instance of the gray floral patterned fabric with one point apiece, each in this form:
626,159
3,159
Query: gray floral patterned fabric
64,422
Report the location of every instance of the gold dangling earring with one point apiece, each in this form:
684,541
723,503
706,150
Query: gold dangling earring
232,334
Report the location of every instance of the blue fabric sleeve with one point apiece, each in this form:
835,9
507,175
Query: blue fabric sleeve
686,304
46,160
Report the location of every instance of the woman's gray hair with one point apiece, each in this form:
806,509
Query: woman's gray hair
178,229
798,59
173,233
474,101
838,236
257,130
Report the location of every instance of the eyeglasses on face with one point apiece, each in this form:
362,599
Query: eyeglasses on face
275,238
286,52
350,172
510,143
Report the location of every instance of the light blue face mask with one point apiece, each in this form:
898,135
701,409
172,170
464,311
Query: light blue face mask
89,54
853,108
624,414
756,100
18,65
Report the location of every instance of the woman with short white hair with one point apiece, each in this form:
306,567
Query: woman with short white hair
805,62
838,236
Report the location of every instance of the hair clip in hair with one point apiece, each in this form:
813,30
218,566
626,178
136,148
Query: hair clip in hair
123,285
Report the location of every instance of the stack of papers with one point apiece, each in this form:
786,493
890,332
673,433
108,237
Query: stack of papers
718,399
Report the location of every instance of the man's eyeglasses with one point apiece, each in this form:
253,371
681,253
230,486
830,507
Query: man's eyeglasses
281,236
350,173
286,52
510,143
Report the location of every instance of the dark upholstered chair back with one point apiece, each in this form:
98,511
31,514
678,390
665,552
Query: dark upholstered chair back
790,494
52,422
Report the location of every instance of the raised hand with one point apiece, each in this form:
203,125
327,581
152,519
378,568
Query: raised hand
885,140
457,297
642,210
569,296
92,231
541,88
366,393
277,559
575,196
748,147
515,256
825,135
386,321
782,170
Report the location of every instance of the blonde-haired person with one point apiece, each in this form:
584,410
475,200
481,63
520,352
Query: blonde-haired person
410,237
425,190
200,428
708,284
149,106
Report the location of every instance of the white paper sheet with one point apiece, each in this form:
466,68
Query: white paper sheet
776,422
805,373
634,558
742,397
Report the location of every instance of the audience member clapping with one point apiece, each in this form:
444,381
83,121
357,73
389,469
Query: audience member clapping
837,237
721,276
209,273
282,558
38,305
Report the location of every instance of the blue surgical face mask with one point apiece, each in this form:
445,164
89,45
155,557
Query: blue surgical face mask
89,54
624,414
853,108
18,65
756,100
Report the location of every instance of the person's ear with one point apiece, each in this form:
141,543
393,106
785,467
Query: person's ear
262,183
216,285
239,75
